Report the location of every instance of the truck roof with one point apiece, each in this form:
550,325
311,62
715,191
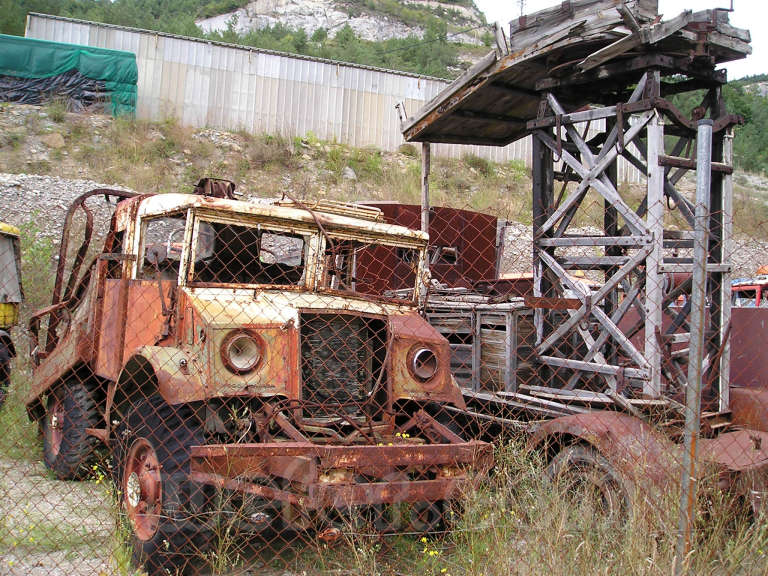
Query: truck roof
331,216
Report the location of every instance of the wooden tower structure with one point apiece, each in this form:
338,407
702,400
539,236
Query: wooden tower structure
594,84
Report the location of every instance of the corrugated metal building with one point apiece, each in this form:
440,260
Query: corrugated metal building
211,84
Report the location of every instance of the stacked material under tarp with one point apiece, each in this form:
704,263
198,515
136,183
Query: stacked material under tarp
94,79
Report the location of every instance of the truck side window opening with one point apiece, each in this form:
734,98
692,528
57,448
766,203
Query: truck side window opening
444,255
238,254
115,267
162,247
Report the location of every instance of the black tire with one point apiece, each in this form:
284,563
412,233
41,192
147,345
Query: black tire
169,540
5,372
67,449
588,477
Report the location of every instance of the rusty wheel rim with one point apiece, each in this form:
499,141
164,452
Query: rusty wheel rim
142,489
56,425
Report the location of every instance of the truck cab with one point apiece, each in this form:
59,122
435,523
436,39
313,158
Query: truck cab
750,292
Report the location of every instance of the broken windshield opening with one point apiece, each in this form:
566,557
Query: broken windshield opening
244,254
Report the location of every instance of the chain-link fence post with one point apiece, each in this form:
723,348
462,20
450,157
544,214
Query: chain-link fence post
697,343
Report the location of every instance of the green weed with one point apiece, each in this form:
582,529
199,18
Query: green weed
57,110
482,165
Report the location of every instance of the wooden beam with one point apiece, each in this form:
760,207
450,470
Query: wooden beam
690,164
654,292
594,367
591,262
503,118
566,241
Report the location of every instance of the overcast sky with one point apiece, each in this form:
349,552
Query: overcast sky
747,14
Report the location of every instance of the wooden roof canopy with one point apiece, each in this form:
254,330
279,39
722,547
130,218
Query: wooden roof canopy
585,52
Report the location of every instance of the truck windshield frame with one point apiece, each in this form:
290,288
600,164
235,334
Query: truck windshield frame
237,251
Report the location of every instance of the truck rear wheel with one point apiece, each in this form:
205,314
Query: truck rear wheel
589,478
67,448
152,459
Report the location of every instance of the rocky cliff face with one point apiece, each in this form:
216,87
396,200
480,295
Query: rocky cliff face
332,15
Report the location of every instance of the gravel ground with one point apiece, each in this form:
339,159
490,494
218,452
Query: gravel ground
44,200
50,527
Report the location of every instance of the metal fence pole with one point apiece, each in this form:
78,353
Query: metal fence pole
425,168
696,350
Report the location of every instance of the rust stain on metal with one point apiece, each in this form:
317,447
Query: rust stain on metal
738,451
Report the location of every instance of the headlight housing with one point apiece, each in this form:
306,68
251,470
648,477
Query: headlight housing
242,351
423,363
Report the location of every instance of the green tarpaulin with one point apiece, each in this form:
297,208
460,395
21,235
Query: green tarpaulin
30,58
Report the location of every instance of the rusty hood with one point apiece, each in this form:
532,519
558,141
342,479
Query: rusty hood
226,307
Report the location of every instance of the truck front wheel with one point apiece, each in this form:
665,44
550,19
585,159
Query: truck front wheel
67,448
589,479
152,459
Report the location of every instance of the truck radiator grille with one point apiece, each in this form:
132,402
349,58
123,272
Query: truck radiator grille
342,356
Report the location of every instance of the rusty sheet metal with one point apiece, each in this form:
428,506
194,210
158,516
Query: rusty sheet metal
749,353
627,442
341,496
749,407
738,451
409,333
555,49
473,235
553,303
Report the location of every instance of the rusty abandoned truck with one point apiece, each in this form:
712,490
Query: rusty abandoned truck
273,352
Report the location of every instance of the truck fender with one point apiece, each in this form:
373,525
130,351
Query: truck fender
632,446
5,339
158,369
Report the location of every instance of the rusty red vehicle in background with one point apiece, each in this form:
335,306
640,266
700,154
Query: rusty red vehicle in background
750,292
271,352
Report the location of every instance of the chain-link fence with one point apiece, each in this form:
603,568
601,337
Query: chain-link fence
209,385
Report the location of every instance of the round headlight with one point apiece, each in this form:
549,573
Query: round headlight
424,364
241,351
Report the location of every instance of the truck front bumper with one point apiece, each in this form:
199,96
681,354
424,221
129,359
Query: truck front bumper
315,477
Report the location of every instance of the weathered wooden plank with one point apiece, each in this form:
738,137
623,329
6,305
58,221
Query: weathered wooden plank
682,267
566,241
594,367
591,262
690,164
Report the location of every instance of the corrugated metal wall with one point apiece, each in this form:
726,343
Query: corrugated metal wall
207,84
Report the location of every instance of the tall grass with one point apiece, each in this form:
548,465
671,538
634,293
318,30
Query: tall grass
519,522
